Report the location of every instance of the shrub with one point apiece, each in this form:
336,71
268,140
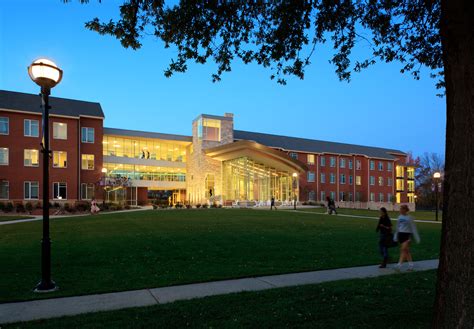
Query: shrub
20,207
38,205
113,207
29,207
83,206
2,206
219,206
188,206
127,206
8,207
67,207
179,205
119,206
56,205
198,205
164,206
205,205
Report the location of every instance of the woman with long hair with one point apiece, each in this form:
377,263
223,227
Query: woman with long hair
384,228
406,230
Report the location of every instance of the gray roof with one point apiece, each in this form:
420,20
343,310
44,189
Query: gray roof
315,146
146,134
13,100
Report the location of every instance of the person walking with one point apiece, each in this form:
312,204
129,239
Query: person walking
272,203
331,206
384,228
94,207
405,231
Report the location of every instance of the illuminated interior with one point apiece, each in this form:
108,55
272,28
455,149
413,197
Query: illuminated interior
140,172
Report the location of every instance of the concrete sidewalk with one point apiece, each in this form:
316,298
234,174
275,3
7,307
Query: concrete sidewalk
67,306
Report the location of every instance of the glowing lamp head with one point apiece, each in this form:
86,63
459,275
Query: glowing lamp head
437,175
45,73
104,170
295,175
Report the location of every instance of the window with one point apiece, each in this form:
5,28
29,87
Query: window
31,158
372,197
332,178
332,161
323,161
380,197
323,196
400,185
358,180
342,196
372,180
311,176
59,191
380,181
87,191
311,159
333,195
87,135
399,172
31,128
87,161
389,181
294,155
323,178
59,130
411,197
358,165
59,159
411,186
380,165
389,197
31,190
410,172
351,180
311,196
3,156
343,179
4,190
372,165
210,182
389,166
350,164
209,129
4,126
358,197
342,163
351,197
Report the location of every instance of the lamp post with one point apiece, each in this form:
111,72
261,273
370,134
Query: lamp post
436,177
104,173
295,182
47,75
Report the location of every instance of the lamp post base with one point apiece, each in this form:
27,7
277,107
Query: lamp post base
43,287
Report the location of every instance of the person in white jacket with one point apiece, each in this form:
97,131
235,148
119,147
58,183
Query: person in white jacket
405,231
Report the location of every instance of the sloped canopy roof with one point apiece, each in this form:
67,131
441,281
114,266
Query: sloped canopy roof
258,153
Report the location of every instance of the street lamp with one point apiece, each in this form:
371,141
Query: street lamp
436,177
47,75
295,182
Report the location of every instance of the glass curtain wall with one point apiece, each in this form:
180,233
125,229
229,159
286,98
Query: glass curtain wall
244,179
140,172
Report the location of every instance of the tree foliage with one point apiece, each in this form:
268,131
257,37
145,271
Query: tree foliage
283,35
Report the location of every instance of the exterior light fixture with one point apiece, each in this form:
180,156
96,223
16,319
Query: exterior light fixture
104,170
47,75
295,186
436,177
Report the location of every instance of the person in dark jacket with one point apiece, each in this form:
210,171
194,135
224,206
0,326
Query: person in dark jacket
331,206
384,228
272,203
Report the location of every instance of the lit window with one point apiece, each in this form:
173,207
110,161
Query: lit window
210,183
31,128
87,191
342,163
380,165
380,181
4,190
323,161
400,185
311,176
323,178
59,130
4,125
87,135
358,180
372,180
372,165
31,190
87,161
343,179
3,156
59,191
31,158
311,159
332,161
59,159
332,178
209,129
399,172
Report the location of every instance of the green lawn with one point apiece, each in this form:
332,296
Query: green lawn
419,215
396,301
6,218
144,249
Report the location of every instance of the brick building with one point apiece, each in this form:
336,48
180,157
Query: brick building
215,164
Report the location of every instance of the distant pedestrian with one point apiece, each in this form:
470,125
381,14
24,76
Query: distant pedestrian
384,228
94,207
272,203
331,206
406,229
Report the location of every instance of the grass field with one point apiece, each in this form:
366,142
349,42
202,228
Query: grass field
396,301
124,251
6,218
419,215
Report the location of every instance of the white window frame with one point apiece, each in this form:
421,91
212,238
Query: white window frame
29,190
350,164
323,196
86,186
372,197
372,165
7,156
372,180
57,166
381,197
8,126
380,181
358,165
323,178
311,180
55,197
8,189
351,180
389,166
332,178
87,129
332,162
323,161
358,180
380,166
342,163
389,181
311,156
24,158
56,132
30,121
82,162
342,178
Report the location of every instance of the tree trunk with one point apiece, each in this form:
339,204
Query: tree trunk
454,306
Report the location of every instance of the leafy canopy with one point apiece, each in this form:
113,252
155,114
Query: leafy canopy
284,35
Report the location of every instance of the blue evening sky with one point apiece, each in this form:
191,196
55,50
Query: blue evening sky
380,107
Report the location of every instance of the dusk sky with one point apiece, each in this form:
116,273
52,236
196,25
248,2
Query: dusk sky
380,107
